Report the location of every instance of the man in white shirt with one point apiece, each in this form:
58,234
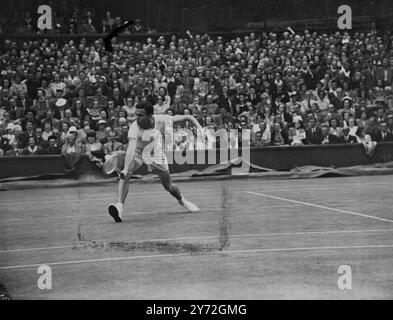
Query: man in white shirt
145,146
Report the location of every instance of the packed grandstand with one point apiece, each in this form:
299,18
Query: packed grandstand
284,88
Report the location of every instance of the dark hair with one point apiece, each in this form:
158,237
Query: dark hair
91,134
147,106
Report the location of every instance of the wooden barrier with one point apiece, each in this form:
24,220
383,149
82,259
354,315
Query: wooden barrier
278,158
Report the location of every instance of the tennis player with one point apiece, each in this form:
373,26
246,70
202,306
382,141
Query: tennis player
145,145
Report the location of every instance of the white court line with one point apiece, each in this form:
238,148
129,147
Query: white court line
31,219
319,206
76,199
250,235
173,255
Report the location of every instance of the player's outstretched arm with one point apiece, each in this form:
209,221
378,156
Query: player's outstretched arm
129,156
182,117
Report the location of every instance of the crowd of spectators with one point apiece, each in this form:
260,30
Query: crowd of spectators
74,98
76,23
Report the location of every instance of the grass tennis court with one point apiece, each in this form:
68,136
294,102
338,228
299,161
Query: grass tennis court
253,239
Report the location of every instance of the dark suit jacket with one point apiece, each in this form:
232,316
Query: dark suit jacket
348,139
333,139
380,75
52,150
388,137
313,138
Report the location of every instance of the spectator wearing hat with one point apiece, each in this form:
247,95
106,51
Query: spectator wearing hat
71,152
58,105
137,27
52,147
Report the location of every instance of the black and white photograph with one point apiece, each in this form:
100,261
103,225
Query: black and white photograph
196,150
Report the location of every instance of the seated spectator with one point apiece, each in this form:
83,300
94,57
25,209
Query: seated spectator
347,138
47,131
112,145
14,151
4,141
313,133
335,129
123,136
259,140
383,135
71,153
26,135
297,134
32,149
52,147
278,136
93,149
327,138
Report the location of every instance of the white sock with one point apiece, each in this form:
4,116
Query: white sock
120,205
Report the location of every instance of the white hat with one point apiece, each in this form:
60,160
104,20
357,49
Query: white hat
102,121
61,102
72,129
297,119
10,126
